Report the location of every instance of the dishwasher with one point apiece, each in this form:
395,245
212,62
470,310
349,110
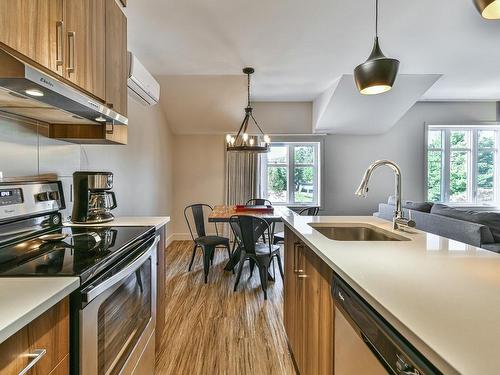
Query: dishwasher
366,344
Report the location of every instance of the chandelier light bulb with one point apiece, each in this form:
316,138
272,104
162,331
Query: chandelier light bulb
228,138
252,141
233,140
267,139
245,137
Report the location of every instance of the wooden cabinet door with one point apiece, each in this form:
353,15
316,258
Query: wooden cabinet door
160,288
318,316
116,58
293,297
308,308
85,44
49,332
290,308
34,28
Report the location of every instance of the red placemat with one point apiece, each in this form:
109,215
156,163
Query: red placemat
263,209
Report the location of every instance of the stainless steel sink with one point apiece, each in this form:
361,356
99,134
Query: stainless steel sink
356,232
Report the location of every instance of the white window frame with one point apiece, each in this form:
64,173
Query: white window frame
472,167
290,167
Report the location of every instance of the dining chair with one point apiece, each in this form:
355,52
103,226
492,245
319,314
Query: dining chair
247,230
258,202
308,211
195,215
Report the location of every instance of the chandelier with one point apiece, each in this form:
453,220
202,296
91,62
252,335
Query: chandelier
243,141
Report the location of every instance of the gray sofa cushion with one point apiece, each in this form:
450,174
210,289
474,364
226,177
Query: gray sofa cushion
489,219
418,206
492,247
411,205
471,233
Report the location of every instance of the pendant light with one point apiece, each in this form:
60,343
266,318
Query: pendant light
489,9
243,141
377,74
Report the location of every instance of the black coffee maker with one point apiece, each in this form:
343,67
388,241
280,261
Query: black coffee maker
92,198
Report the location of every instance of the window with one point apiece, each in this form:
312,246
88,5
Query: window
462,164
292,174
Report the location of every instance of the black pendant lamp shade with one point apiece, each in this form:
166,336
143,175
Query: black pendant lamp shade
378,73
243,141
489,9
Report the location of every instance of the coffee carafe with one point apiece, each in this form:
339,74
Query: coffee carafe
93,200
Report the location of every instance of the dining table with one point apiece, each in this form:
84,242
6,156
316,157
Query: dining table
223,214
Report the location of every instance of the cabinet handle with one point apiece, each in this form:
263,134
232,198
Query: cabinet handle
59,43
71,52
302,276
295,258
36,356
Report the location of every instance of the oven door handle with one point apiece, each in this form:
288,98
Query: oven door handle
91,292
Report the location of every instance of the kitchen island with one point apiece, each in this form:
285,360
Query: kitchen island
441,295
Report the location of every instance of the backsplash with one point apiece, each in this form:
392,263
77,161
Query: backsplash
24,152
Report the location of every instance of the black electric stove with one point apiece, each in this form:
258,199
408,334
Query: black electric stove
86,252
85,255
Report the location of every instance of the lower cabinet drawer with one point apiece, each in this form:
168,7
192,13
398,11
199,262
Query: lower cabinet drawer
45,338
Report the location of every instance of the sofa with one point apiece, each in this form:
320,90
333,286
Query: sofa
476,228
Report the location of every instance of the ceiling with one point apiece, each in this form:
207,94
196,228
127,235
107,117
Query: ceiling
301,48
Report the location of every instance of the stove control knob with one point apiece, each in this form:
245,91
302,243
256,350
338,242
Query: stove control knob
54,195
42,197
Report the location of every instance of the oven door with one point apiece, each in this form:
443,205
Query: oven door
118,321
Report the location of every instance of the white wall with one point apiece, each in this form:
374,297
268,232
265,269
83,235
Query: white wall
199,161
142,169
347,157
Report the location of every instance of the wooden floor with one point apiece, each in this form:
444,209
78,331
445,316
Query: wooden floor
212,330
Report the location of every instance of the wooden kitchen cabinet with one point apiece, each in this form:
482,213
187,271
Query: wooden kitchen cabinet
85,40
50,331
160,288
116,58
308,308
88,133
34,28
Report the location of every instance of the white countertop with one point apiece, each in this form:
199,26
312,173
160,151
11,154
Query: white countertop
442,295
23,299
127,221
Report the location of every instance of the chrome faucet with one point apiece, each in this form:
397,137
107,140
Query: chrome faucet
398,221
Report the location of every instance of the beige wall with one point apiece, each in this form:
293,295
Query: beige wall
198,174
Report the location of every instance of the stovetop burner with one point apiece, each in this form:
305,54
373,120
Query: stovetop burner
85,252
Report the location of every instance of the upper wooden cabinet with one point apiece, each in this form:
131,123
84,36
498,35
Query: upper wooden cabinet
34,28
83,41
116,58
85,62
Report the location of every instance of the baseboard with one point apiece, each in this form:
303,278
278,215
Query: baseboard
181,237
170,239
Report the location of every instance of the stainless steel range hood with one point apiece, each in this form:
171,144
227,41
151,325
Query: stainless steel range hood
26,91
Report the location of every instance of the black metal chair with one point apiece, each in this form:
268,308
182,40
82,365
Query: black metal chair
208,243
309,211
258,202
247,230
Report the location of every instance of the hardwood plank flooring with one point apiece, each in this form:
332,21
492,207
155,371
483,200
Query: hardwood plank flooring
212,330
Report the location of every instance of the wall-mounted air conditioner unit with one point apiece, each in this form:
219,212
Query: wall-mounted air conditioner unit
141,83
